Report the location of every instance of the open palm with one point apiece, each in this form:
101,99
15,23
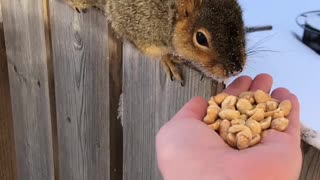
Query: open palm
188,149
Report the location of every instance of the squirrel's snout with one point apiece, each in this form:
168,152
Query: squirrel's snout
234,65
233,68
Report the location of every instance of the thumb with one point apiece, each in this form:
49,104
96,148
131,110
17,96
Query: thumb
184,137
185,129
184,122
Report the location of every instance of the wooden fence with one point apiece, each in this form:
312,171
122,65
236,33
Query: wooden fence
61,78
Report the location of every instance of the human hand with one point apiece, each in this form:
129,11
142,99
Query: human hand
187,149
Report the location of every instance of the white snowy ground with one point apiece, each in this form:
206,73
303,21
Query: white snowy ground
292,64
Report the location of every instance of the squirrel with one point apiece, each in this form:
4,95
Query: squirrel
208,35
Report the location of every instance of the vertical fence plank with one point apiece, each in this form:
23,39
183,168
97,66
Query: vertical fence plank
80,55
149,101
27,64
311,162
7,150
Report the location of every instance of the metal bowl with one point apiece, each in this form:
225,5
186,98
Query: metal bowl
311,26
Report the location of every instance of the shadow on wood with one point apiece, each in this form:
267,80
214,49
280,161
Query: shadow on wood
7,150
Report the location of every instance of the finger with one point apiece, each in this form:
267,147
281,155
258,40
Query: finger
282,94
262,82
239,85
195,109
294,117
293,129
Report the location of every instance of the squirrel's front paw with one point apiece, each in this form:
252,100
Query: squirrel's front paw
171,69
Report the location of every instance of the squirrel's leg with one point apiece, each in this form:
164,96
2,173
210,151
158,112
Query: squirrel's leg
170,67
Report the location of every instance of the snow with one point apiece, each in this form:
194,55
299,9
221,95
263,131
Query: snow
292,64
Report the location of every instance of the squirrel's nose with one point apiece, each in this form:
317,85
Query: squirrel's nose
234,64
233,67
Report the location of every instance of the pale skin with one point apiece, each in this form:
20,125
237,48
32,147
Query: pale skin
187,149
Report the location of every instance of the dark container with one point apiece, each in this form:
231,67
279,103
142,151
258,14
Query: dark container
311,26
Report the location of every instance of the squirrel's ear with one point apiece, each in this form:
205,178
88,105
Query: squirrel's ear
187,7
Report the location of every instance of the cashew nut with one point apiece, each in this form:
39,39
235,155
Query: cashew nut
285,106
216,125
229,114
238,122
243,105
212,115
258,115
244,120
248,95
232,140
255,140
219,98
224,126
254,126
272,105
280,124
229,102
261,97
266,123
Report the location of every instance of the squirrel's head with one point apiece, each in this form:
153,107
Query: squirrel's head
210,35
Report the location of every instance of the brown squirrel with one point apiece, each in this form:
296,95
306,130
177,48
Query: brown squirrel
209,35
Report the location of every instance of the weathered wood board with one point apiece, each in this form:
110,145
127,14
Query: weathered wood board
311,163
81,71
27,56
7,149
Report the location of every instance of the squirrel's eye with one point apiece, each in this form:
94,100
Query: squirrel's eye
202,39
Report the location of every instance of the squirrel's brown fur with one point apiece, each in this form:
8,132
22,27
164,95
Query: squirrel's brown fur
169,29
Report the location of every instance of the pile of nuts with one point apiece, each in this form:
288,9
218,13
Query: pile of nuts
240,121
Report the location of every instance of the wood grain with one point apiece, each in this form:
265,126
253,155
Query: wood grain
27,58
7,149
80,55
150,99
311,163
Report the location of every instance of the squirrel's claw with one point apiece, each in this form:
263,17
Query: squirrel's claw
80,10
182,83
84,10
77,9
80,7
171,69
202,77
